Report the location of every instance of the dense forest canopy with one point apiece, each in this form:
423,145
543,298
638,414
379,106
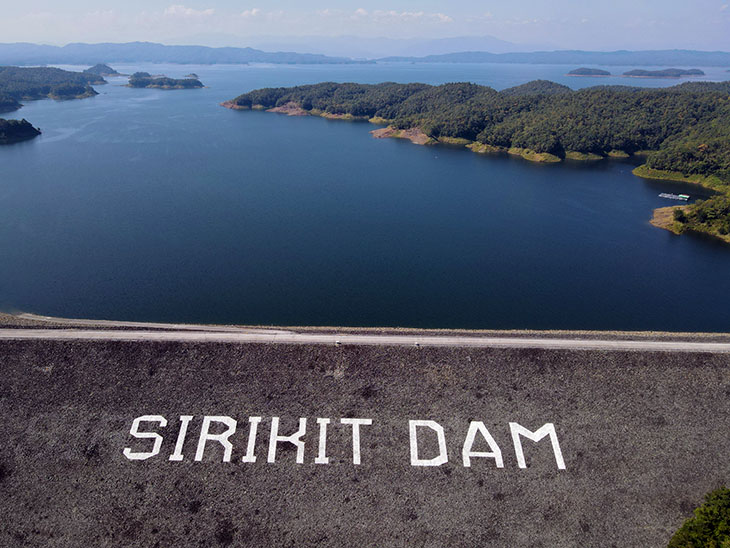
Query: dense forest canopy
685,128
541,116
145,80
40,82
8,104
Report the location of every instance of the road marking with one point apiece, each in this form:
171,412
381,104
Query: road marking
290,337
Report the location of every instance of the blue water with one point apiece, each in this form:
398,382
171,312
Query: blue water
161,205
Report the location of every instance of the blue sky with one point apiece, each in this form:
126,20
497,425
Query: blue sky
613,24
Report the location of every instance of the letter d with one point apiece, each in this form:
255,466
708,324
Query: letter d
439,459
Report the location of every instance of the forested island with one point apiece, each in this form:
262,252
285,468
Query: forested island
588,72
29,83
146,80
101,70
664,73
683,131
14,131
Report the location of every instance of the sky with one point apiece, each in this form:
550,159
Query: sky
558,24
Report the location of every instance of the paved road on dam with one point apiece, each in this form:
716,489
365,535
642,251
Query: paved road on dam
289,337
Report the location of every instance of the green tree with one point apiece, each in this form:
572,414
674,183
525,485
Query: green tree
710,525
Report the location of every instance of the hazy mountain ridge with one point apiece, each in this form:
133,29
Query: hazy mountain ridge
150,52
373,48
580,57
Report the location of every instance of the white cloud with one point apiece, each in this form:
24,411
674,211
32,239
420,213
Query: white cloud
386,16
178,10
393,15
248,14
257,15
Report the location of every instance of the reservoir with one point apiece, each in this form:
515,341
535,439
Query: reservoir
143,204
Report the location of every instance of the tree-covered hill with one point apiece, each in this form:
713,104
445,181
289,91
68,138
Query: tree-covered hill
685,129
101,70
27,83
664,73
145,80
13,131
8,104
543,116
583,71
536,87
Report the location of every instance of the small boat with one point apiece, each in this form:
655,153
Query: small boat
682,197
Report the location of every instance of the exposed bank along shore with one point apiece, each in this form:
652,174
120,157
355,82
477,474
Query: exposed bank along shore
663,217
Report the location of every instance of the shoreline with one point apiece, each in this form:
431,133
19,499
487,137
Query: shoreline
711,183
661,217
419,137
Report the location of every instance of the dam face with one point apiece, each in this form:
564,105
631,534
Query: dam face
109,443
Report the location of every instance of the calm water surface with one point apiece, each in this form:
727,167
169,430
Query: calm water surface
154,205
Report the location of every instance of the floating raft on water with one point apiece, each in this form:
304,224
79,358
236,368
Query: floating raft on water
682,197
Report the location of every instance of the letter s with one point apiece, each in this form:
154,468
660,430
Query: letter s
134,431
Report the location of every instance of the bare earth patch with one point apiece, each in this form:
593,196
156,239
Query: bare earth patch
290,109
664,218
232,105
414,135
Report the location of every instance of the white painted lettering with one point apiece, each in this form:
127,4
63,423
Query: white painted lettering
546,430
356,435
184,421
295,438
205,436
322,457
467,453
439,459
134,431
254,425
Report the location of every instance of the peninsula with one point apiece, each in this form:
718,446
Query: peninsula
146,80
664,73
588,72
14,131
29,83
683,131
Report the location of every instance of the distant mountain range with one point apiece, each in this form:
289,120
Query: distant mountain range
672,57
148,52
360,47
